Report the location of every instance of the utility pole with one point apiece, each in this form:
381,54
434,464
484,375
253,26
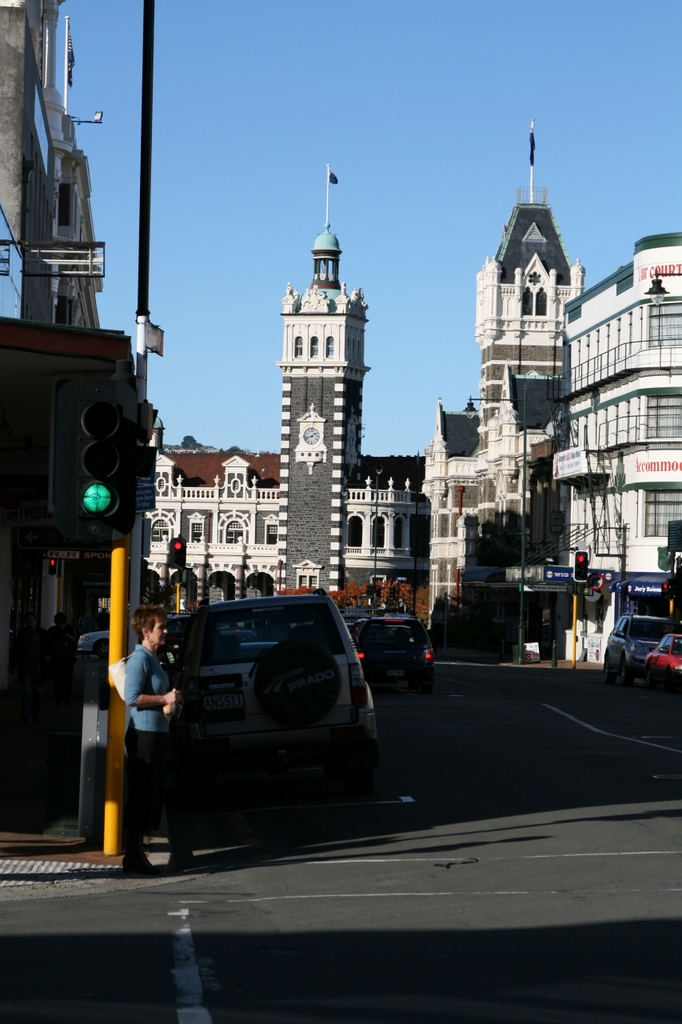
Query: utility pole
522,581
126,551
378,471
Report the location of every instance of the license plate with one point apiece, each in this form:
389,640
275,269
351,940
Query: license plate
223,701
394,672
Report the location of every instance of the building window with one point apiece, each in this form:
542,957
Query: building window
234,534
298,347
160,532
307,581
541,303
64,206
398,533
314,347
197,531
329,348
355,532
665,324
379,533
664,416
661,507
527,303
271,533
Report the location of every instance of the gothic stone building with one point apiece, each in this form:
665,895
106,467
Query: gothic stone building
520,299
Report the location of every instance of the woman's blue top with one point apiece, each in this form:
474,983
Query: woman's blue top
145,675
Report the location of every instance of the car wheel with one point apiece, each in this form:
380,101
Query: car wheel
625,676
101,649
361,781
669,683
427,687
609,674
649,680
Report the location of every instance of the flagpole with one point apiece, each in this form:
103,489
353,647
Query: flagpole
326,219
532,158
67,19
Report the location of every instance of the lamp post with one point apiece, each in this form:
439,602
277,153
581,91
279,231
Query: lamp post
378,471
471,412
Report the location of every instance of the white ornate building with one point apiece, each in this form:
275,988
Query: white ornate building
321,513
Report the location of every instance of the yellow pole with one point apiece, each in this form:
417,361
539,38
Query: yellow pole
118,648
671,610
178,588
575,630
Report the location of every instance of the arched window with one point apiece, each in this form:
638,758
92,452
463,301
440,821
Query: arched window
314,347
379,533
234,533
527,303
329,348
160,532
541,303
355,532
298,347
398,533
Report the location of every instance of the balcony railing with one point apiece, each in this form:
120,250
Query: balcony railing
63,259
622,361
537,196
636,430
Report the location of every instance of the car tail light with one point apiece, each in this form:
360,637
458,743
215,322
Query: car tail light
358,686
361,655
428,656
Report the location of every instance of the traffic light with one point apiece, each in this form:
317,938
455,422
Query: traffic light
52,567
178,553
668,587
581,566
96,458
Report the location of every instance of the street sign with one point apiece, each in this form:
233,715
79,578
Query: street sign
38,538
675,535
73,555
557,522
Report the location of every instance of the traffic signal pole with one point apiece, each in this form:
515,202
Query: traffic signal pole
118,648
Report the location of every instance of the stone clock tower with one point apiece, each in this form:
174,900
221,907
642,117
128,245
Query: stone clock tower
323,366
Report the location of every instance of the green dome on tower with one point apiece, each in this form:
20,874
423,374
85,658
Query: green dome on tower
327,241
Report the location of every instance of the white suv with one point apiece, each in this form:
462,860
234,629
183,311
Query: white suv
273,683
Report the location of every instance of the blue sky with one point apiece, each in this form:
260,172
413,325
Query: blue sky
422,110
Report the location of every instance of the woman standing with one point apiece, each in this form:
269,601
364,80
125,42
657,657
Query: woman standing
147,692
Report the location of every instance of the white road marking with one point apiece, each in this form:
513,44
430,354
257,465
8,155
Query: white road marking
188,984
613,735
316,807
458,892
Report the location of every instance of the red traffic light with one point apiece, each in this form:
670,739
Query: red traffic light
178,553
178,545
580,566
52,567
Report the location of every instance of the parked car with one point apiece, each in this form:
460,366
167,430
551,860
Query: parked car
664,663
396,650
98,642
273,683
94,643
632,638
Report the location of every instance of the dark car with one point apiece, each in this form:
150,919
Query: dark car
632,638
396,650
664,663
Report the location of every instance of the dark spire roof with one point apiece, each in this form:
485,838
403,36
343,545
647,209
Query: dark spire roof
539,404
533,229
460,433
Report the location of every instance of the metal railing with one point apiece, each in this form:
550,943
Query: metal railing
622,361
535,195
63,259
635,430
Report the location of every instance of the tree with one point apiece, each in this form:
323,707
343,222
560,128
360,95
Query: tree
500,544
190,442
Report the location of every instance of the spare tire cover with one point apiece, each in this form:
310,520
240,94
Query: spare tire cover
297,682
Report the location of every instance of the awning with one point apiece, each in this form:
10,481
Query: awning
641,584
483,574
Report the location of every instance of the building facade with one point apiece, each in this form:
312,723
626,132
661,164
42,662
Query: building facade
621,447
321,513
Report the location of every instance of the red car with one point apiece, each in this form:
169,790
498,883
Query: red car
664,663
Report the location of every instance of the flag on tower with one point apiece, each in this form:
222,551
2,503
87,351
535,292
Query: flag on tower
333,180
71,60
532,143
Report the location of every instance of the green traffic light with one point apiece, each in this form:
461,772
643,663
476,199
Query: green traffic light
97,499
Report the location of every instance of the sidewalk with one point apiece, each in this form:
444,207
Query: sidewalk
471,656
23,788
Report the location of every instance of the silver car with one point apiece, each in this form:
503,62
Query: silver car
270,684
632,638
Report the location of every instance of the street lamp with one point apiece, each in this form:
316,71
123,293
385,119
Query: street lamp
657,292
378,471
470,411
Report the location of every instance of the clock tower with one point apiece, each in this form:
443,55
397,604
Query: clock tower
323,366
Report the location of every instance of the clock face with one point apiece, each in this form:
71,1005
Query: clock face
311,435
